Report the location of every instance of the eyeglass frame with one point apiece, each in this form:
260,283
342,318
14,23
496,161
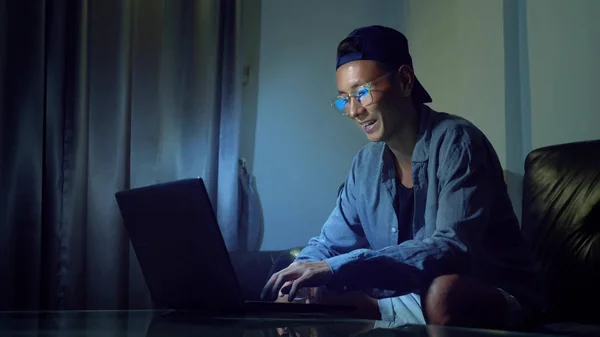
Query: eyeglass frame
355,94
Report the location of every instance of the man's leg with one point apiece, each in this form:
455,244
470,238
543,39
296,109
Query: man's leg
463,301
449,300
401,310
366,306
394,311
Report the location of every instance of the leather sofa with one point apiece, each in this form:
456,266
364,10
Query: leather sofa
561,221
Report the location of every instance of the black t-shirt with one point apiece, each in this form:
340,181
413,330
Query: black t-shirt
404,209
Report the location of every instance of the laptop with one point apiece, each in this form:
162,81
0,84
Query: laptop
183,257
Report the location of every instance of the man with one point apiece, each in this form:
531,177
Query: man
423,225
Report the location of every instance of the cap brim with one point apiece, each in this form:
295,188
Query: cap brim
419,94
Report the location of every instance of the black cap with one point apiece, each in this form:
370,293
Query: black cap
383,44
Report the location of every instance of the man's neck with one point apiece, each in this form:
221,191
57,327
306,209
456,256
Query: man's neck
403,142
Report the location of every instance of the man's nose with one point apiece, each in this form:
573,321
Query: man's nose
356,109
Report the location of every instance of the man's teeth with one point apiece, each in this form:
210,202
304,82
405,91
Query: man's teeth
368,123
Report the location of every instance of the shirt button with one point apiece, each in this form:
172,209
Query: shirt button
394,229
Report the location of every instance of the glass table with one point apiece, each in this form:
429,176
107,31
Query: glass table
164,323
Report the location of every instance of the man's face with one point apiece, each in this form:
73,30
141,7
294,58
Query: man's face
381,114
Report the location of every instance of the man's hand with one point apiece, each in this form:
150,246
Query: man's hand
295,277
303,296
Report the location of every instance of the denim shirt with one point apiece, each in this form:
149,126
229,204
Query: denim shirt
463,220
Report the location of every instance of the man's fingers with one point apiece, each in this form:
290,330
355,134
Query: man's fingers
281,278
266,292
276,286
277,280
285,288
296,285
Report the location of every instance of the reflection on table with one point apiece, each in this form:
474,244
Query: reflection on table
171,324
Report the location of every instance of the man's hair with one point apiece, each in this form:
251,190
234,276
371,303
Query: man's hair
351,45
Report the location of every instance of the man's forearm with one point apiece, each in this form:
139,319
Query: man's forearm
397,270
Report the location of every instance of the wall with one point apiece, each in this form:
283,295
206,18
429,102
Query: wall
564,41
468,60
457,50
520,70
525,72
303,148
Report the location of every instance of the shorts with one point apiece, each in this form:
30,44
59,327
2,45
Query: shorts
406,310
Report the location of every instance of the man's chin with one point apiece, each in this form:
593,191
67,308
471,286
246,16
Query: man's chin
374,137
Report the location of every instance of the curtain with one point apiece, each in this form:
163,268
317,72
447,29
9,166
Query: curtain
98,96
250,216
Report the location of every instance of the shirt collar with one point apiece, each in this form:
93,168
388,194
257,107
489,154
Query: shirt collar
426,119
420,153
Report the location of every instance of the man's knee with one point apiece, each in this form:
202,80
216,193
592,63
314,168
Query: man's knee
438,300
461,301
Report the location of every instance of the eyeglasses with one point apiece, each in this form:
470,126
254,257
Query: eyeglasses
362,94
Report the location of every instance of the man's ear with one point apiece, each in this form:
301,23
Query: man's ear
407,79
